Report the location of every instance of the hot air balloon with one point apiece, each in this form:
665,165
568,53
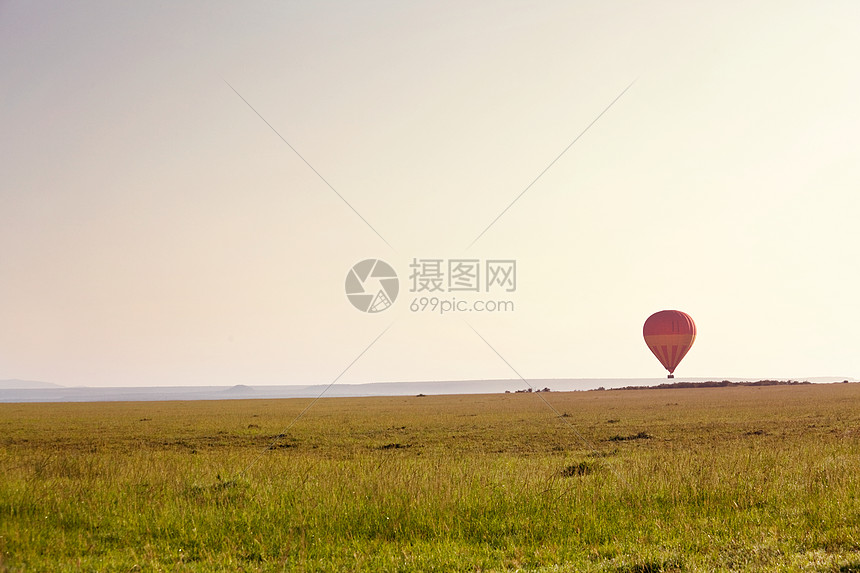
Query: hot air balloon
669,334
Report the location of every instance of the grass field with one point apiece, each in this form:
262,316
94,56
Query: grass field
718,479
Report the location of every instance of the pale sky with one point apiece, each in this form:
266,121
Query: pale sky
154,230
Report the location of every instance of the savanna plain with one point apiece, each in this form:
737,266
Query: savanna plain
696,479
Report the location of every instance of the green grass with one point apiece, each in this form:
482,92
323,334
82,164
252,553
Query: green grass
739,479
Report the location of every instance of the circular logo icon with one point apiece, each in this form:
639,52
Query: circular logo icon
372,285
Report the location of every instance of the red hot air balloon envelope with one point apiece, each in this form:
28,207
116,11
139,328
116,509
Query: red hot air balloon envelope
669,334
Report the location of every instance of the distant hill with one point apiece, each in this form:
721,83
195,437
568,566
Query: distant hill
25,384
240,389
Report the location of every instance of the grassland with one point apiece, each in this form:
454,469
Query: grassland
732,479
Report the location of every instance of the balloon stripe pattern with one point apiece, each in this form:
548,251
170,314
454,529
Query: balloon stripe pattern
669,334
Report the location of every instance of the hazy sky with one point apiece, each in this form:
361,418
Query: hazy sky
154,230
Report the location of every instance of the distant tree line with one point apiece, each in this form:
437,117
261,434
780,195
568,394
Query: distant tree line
528,390
715,384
